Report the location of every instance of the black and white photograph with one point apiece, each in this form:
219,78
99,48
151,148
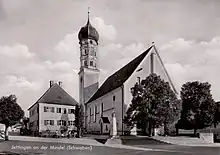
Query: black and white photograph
99,77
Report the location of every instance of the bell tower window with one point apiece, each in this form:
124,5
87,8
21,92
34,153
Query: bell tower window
86,51
85,63
91,63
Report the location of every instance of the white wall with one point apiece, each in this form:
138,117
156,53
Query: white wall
34,118
54,116
108,108
145,64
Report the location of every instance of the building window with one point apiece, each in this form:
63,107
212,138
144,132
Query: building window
71,123
95,111
85,63
46,109
91,63
61,122
71,111
102,108
90,114
64,110
49,109
86,51
114,98
48,122
58,110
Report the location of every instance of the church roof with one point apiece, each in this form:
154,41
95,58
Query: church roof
120,77
105,120
56,95
88,32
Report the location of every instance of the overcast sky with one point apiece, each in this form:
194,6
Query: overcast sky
38,41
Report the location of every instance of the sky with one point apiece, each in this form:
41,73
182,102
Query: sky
39,43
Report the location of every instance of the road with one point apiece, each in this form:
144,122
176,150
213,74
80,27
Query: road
29,148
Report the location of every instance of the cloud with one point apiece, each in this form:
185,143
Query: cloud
106,31
27,76
17,51
58,66
188,60
21,83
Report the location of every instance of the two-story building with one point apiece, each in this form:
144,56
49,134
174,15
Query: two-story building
53,110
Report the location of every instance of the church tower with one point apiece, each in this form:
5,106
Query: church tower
89,71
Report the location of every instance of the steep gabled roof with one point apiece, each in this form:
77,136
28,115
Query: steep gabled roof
120,77
56,95
165,70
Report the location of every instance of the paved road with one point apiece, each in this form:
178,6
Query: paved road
70,149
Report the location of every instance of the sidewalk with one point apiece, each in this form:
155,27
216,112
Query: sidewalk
185,141
82,141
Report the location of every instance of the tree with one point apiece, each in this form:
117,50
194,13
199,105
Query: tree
198,106
217,114
80,119
24,122
153,104
10,112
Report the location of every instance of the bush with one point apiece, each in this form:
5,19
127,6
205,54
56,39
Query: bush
25,132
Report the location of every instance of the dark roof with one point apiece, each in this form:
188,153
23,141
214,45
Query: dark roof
105,120
88,31
90,90
119,78
56,95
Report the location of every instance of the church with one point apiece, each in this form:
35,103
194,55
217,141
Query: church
106,105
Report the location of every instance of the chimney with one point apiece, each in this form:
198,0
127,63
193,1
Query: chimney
60,83
51,83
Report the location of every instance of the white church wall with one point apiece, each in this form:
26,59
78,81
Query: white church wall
146,70
108,108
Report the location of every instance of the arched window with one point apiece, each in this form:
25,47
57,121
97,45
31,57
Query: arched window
85,63
91,63
86,51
